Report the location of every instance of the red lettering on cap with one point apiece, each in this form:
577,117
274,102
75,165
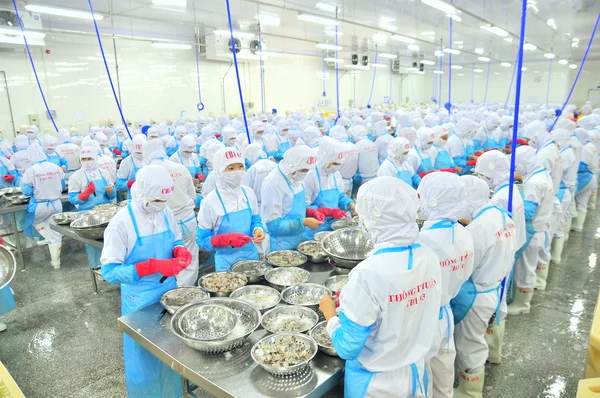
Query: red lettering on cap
311,160
166,191
407,146
232,155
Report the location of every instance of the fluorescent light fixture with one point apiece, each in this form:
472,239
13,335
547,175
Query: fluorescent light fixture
30,34
461,74
438,53
428,33
109,60
478,70
529,47
380,38
484,59
413,47
479,51
317,19
456,67
386,23
440,5
454,16
334,33
438,72
495,30
20,40
403,39
551,23
172,46
268,19
236,33
388,55
326,46
573,66
335,60
63,12
458,42
427,62
174,3
550,55
509,39
269,53
361,67
379,65
506,64
412,69
523,69
386,19
389,27
563,62
451,51
329,7
575,43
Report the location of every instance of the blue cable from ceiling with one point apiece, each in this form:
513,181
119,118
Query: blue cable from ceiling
323,78
448,105
200,104
512,79
107,70
373,81
37,79
337,79
487,81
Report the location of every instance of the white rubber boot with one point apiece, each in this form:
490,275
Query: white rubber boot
2,326
470,385
494,336
542,274
567,229
578,222
592,201
556,250
55,255
522,303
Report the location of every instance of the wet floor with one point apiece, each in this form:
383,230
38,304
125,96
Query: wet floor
63,341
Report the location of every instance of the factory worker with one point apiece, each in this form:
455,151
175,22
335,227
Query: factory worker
153,133
383,359
368,159
42,182
404,128
311,137
459,144
106,162
258,171
131,165
350,165
229,135
324,187
21,159
69,151
208,132
203,157
49,144
229,220
181,203
418,157
396,166
503,133
283,207
440,157
257,130
6,147
252,154
479,298
430,121
586,177
141,246
186,156
174,142
103,141
538,199
442,204
211,182
8,173
32,135
484,138
383,140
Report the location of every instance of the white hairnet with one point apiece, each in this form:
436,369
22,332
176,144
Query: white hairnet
188,144
492,122
21,142
225,157
343,121
154,149
465,127
256,126
442,196
180,131
151,183
229,133
297,158
587,122
137,144
398,146
102,140
330,151
536,133
403,119
89,151
208,132
582,134
430,120
526,160
64,136
212,149
312,135
561,137
253,152
358,133
424,136
338,133
35,153
32,129
49,143
495,166
476,192
380,127
567,124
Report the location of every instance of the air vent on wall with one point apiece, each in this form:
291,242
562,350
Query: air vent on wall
365,60
354,59
238,45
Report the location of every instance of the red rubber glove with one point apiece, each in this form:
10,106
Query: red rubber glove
316,214
335,213
85,195
130,183
217,136
235,239
117,152
8,178
424,173
183,254
168,267
450,170
471,162
521,141
200,176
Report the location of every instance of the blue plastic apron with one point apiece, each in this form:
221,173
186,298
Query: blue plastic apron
326,198
283,146
297,212
100,197
489,143
54,159
146,375
357,378
584,176
403,175
193,169
119,145
425,165
3,172
28,228
462,159
7,301
235,222
443,159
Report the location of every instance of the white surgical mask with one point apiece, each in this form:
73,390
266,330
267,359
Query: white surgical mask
439,142
283,133
426,146
333,168
89,165
401,158
30,135
299,176
155,207
233,179
138,156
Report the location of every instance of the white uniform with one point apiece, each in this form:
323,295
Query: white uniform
256,175
21,161
382,143
70,152
368,160
590,158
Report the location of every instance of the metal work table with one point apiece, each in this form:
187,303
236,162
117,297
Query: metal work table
232,374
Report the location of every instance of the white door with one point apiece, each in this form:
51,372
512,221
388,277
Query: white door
6,120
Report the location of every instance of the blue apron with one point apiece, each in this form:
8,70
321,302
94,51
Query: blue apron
462,159
326,198
4,171
298,211
54,159
357,378
403,175
425,165
584,176
100,194
235,222
443,159
132,175
7,301
119,145
489,142
28,228
171,150
193,169
146,375
283,147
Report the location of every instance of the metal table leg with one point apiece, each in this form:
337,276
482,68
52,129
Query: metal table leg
17,240
94,282
187,393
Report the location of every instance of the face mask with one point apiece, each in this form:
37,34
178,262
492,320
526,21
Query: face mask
486,179
333,168
233,179
426,146
440,143
89,165
31,135
299,176
368,223
155,207
401,158
138,156
231,141
50,151
284,132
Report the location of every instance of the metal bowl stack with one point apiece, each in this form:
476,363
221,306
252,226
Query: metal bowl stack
66,218
207,322
124,203
10,191
254,270
107,206
8,266
297,348
176,298
344,223
289,319
347,247
280,278
223,283
286,258
313,250
19,199
92,226
305,294
260,297
321,337
248,319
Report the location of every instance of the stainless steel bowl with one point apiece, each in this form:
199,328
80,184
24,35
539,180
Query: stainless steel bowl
344,223
254,270
92,226
19,199
298,258
247,322
176,298
241,279
8,191
347,247
289,319
207,322
280,278
107,206
260,297
305,294
308,343
339,270
319,236
304,247
124,203
8,266
333,283
323,342
65,218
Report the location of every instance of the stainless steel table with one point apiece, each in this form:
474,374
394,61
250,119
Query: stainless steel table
231,374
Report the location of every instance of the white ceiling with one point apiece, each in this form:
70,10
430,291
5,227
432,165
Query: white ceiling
138,19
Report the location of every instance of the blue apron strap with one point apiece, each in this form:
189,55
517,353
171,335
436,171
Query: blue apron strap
537,172
135,226
444,224
86,176
286,180
184,228
247,200
444,310
416,380
222,203
319,179
418,153
401,249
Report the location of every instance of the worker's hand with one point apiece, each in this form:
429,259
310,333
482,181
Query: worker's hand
352,208
130,183
167,267
109,190
464,221
182,253
312,223
85,195
472,158
259,235
458,169
117,152
200,177
8,178
64,169
316,214
327,307
235,239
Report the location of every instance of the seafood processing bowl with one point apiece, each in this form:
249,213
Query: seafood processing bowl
10,191
207,322
289,319
176,298
92,226
260,297
344,223
280,278
66,218
221,284
313,250
321,337
336,283
297,348
347,247
319,236
8,266
19,199
286,258
248,319
254,270
107,206
305,294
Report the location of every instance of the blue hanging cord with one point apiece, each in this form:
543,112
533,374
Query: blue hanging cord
441,75
548,87
107,70
373,81
390,101
487,82
323,78
449,103
37,79
512,79
511,185
587,50
337,79
200,104
473,84
237,71
261,69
